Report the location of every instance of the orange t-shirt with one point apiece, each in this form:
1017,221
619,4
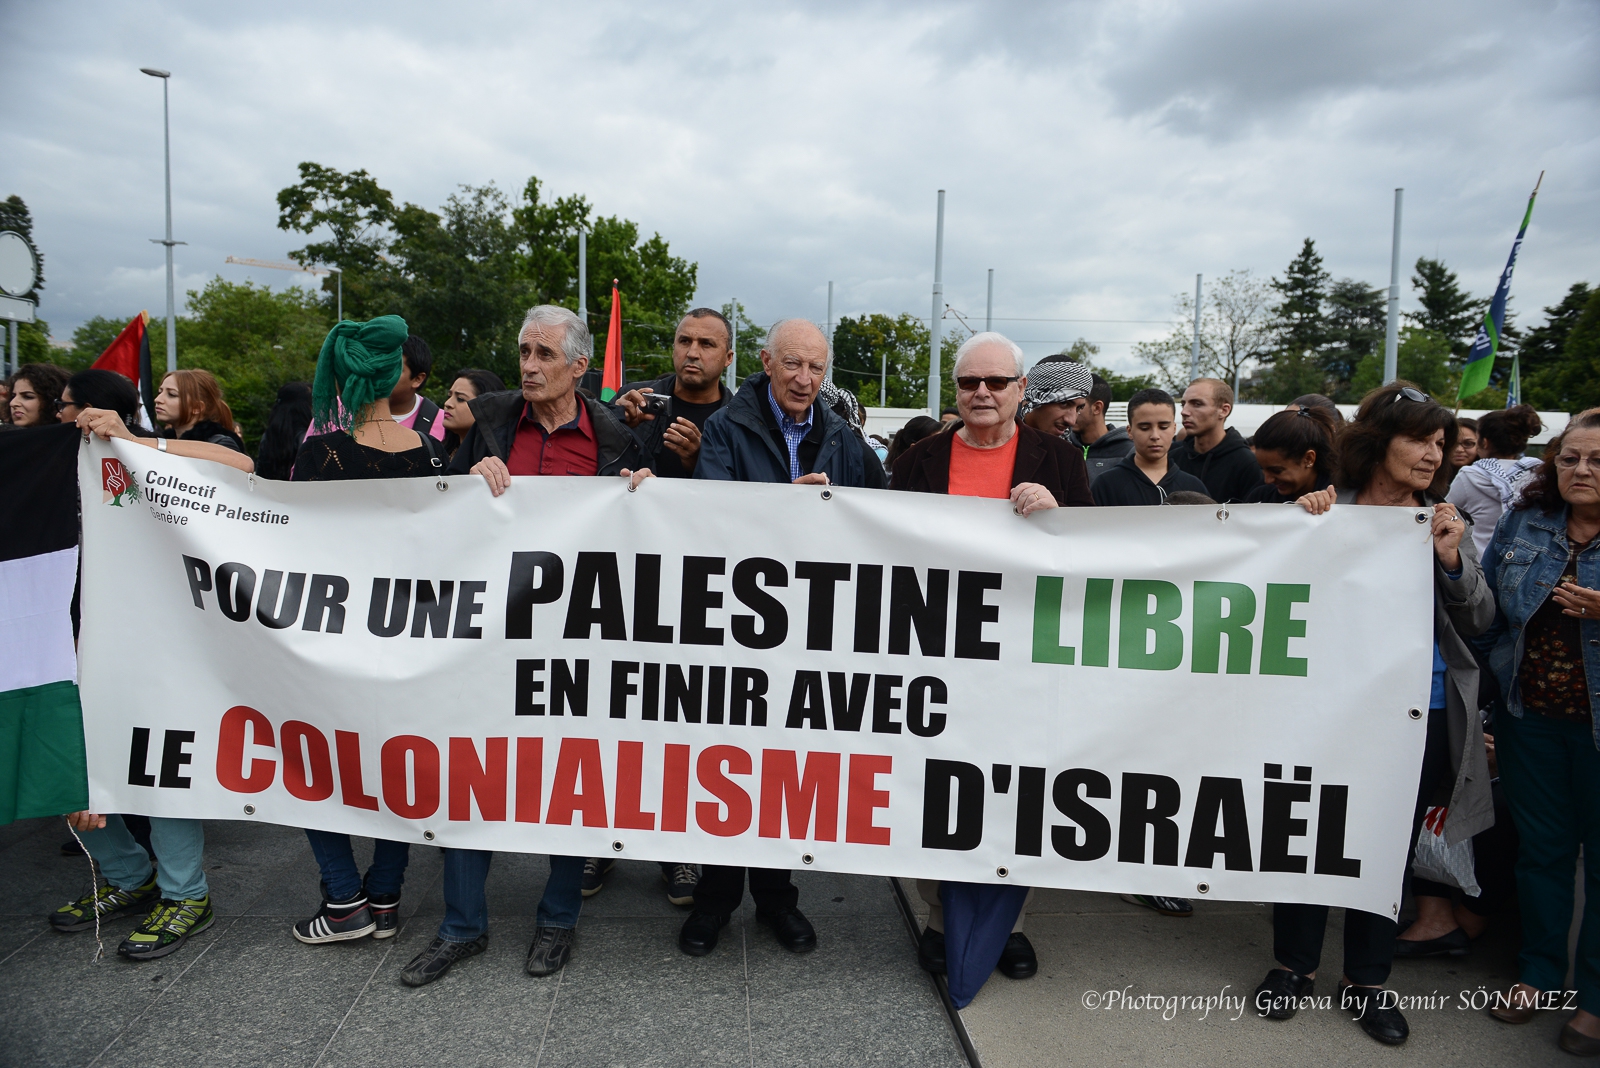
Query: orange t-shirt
981,472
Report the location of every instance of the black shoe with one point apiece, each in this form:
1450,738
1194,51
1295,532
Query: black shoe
681,879
699,934
434,961
930,951
794,931
1454,944
594,874
550,951
1280,992
1018,960
337,921
385,910
1377,1019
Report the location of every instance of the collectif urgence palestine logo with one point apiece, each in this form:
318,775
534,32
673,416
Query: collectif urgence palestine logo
117,482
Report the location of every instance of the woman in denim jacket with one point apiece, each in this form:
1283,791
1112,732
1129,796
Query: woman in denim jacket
1544,649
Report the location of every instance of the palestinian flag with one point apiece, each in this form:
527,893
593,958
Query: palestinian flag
43,771
611,382
129,356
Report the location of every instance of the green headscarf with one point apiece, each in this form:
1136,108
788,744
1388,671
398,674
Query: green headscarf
359,363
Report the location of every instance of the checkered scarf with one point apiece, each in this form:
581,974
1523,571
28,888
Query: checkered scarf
1054,380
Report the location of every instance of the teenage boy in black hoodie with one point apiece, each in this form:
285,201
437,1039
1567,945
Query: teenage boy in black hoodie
1210,451
1146,475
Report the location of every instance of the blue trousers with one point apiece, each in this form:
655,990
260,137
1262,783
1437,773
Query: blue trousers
179,845
466,906
341,879
1550,770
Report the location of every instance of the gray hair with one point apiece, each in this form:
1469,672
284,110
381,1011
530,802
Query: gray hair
576,340
987,337
782,324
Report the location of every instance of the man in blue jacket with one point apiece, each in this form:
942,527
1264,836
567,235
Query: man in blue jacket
775,430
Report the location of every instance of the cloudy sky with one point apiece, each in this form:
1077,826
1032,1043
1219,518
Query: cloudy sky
1096,155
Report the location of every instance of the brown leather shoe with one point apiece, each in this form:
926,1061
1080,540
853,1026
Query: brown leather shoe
1512,1009
1577,1043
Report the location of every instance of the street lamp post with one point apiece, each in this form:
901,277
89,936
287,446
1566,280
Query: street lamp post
166,136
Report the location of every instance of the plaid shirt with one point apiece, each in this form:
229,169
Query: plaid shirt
793,433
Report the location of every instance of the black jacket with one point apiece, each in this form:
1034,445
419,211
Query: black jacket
215,433
496,416
1126,484
1106,452
651,432
737,444
1041,458
1267,493
1229,471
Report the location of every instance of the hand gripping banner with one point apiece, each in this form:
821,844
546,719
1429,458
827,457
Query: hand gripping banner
1186,701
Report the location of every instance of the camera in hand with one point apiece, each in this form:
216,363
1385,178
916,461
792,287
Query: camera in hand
656,403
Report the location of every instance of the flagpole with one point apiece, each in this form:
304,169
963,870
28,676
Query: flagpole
936,325
1391,335
732,376
988,308
830,333
1194,352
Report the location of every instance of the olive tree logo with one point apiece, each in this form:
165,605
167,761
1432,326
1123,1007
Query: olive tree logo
117,483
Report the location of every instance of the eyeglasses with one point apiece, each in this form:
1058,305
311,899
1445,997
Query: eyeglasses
995,383
1411,394
63,405
1568,461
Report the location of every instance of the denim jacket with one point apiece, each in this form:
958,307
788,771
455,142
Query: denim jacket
1523,563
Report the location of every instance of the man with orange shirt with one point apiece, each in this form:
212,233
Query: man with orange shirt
990,454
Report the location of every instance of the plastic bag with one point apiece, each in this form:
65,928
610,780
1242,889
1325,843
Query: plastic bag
1441,863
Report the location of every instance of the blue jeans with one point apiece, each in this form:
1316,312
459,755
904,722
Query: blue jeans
466,906
179,845
341,880
1551,774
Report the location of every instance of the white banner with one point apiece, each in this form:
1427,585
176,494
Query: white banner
1177,701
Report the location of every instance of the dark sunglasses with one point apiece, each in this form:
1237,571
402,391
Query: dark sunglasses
1411,394
63,405
969,383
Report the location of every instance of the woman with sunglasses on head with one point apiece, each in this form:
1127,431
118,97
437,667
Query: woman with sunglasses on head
1543,564
1486,487
1393,455
1295,450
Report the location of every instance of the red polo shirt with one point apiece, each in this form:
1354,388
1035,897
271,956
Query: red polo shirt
571,449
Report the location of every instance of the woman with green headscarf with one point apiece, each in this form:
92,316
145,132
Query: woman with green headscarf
356,370
358,366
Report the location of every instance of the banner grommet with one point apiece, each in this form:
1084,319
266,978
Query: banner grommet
249,810
1423,515
1002,871
1414,713
616,847
827,494
1202,888
427,836
807,858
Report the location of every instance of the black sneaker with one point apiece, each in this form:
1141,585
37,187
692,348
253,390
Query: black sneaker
167,928
434,961
1280,994
111,901
550,951
1018,959
1371,1009
594,874
1167,906
337,921
681,879
385,910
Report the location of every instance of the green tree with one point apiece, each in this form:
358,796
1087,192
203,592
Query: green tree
866,348
14,215
1572,381
1357,319
1236,331
750,335
357,213
1447,309
1423,358
96,333
1541,346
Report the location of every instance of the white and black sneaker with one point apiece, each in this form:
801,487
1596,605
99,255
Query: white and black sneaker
337,921
385,909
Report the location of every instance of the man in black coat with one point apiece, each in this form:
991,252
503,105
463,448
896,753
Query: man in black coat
669,414
1211,451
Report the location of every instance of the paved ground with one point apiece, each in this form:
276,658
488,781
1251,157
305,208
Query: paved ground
245,993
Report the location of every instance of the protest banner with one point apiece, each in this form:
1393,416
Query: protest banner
1187,701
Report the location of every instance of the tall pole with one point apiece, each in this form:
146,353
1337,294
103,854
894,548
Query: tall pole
11,341
988,308
166,137
936,325
883,378
1194,353
583,276
830,333
731,378
340,290
1391,337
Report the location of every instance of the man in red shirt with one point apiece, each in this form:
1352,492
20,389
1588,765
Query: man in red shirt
548,428
991,454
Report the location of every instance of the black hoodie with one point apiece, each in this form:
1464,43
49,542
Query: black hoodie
1126,484
1106,452
1229,471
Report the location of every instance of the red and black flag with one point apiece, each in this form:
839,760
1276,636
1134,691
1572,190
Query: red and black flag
129,356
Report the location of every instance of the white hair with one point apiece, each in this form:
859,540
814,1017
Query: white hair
576,340
782,324
988,337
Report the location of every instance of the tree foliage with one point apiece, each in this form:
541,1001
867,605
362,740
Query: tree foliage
1423,357
14,215
1447,309
866,347
1236,331
1569,381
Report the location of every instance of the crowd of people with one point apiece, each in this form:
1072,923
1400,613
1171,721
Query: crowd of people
1512,757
